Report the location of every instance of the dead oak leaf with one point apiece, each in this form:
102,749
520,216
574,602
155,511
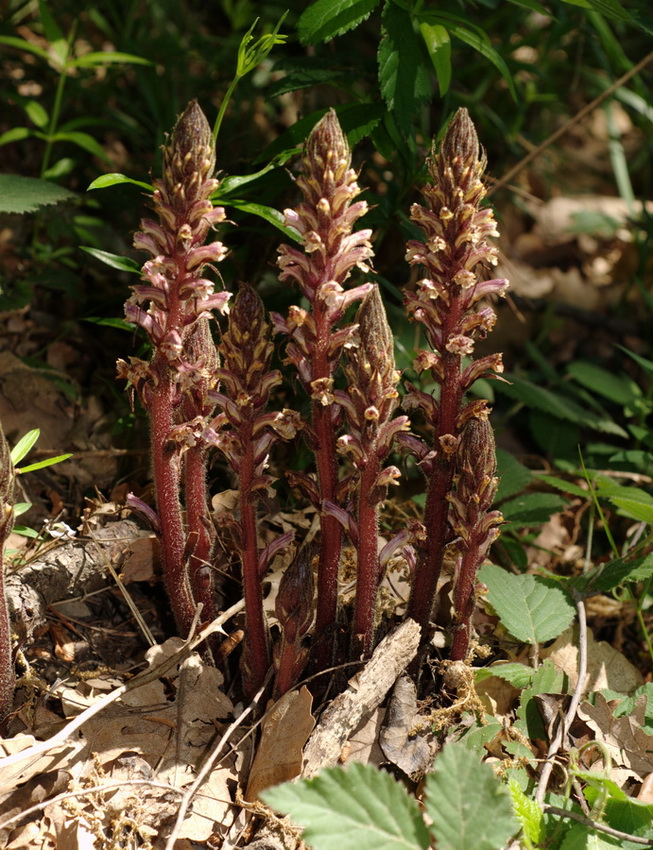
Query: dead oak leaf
629,745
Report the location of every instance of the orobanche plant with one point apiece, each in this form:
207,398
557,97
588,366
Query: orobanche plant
202,396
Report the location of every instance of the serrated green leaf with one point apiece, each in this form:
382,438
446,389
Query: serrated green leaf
114,179
556,405
532,608
528,812
564,486
360,808
438,43
612,574
403,77
460,794
303,79
125,264
513,475
618,388
107,57
581,837
634,508
26,194
24,446
518,675
325,19
531,509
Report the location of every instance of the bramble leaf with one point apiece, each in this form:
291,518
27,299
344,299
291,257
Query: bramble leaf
326,19
532,608
460,794
360,808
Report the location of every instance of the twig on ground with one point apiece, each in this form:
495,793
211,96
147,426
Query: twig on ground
65,734
583,113
599,827
565,725
209,763
96,789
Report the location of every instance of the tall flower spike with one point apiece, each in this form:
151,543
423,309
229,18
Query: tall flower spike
473,521
244,432
172,306
294,609
7,484
369,403
332,250
456,231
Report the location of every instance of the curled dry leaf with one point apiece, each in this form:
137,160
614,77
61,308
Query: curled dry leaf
404,740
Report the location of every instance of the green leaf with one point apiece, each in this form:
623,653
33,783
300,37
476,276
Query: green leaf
528,812
107,57
438,43
403,76
114,179
22,44
556,405
26,194
546,680
125,264
24,531
230,184
518,675
303,79
618,388
564,486
360,808
532,608
611,9
484,47
647,365
513,475
268,213
24,446
531,509
460,795
606,577
36,114
51,29
16,134
326,19
84,141
41,464
634,508
120,324
21,508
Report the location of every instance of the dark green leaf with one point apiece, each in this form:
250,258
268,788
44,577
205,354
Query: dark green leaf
325,19
513,475
484,47
125,264
403,75
618,388
267,213
606,577
16,134
26,194
531,509
518,675
84,141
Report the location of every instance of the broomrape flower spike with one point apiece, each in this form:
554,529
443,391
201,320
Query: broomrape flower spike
456,232
244,433
369,403
325,220
173,307
475,525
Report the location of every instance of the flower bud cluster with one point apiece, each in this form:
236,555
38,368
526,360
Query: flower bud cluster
176,295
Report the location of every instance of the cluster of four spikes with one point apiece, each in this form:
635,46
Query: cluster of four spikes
187,379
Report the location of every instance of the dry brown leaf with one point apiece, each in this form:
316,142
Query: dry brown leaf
61,757
285,731
140,560
403,740
363,744
646,791
629,745
606,667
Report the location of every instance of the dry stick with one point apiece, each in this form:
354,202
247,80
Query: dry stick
563,728
599,827
208,765
142,679
590,107
97,789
